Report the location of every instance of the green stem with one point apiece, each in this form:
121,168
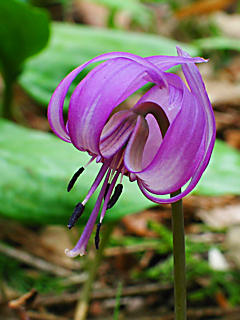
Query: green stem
83,304
118,298
179,259
6,111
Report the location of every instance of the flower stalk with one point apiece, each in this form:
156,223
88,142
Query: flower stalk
179,259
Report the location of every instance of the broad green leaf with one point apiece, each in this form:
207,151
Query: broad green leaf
72,45
223,173
218,43
24,31
138,12
35,168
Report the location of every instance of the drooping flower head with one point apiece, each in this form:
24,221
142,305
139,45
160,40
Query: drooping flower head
164,141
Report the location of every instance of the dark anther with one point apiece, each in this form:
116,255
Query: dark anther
97,238
106,191
74,178
78,211
115,196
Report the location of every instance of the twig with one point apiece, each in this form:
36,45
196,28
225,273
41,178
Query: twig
75,279
20,304
114,251
192,314
24,300
34,261
144,289
44,316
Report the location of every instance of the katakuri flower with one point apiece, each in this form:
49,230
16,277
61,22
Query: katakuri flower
164,142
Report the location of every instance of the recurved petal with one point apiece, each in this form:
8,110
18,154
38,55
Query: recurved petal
55,108
113,123
167,62
134,151
169,99
153,142
104,88
174,163
116,133
197,86
193,181
56,103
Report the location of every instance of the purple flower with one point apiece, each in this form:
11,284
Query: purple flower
163,142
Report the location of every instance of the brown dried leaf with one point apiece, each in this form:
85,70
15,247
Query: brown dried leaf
232,137
202,7
223,92
138,223
221,217
229,24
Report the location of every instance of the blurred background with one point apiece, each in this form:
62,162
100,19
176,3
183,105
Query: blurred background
40,42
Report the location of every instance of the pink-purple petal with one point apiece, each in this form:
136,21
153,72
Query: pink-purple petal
99,93
111,144
160,165
55,110
153,142
167,62
134,149
204,151
174,163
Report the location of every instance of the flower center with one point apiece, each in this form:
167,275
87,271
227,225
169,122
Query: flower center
124,135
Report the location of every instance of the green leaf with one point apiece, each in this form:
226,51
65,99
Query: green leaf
218,43
138,12
35,168
223,173
24,31
72,45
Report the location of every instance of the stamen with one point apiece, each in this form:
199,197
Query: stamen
117,192
97,238
78,211
106,191
74,178
77,174
81,246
